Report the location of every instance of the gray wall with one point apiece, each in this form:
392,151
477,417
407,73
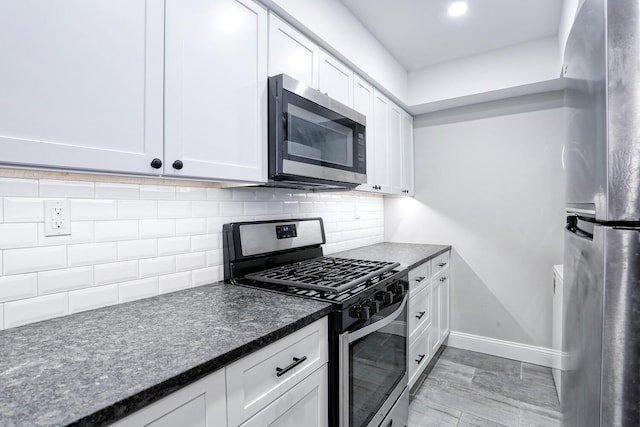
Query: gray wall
490,182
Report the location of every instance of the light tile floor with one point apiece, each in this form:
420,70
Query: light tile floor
469,389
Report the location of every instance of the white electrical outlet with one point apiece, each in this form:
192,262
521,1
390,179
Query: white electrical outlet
57,218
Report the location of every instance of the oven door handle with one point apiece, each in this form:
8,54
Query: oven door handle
351,337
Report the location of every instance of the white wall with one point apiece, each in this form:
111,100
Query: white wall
569,11
132,240
519,65
334,26
489,181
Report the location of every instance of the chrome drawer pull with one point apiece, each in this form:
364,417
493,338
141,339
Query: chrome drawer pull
419,360
281,371
442,264
420,314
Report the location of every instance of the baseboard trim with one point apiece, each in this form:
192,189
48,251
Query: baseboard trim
507,349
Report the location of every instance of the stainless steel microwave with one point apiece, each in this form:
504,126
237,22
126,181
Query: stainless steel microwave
315,142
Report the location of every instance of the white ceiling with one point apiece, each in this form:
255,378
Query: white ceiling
419,33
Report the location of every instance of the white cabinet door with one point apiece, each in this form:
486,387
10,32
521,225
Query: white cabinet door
335,79
81,84
363,103
382,174
215,89
306,404
395,148
292,53
407,155
201,404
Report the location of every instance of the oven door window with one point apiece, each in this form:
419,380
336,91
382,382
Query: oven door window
377,365
316,135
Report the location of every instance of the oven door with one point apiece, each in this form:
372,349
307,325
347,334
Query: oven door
313,136
373,367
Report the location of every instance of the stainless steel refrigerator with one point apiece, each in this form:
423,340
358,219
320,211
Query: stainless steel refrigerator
601,308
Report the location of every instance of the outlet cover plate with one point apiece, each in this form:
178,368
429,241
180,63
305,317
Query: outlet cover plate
57,218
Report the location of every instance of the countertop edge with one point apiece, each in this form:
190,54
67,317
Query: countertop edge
430,257
141,399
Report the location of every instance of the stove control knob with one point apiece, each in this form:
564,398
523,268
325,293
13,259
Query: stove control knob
399,289
374,307
385,296
363,312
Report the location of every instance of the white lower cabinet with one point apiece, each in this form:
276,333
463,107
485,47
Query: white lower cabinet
429,311
201,404
283,384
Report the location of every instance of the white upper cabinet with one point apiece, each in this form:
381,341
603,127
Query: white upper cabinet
395,148
363,103
381,178
407,155
335,79
292,53
215,90
80,85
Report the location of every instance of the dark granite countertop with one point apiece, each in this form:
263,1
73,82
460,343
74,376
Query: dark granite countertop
409,255
94,367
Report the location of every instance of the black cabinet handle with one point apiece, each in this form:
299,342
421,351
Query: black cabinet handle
420,314
281,371
419,359
442,264
156,163
178,164
420,279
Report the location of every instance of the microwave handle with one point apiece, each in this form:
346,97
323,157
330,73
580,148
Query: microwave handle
378,325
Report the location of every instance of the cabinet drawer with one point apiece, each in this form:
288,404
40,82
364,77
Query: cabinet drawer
419,276
261,377
305,404
439,262
419,356
419,311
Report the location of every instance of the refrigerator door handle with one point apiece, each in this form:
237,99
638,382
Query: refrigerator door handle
573,226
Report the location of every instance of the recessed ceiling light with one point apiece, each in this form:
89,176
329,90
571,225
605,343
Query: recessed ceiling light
457,9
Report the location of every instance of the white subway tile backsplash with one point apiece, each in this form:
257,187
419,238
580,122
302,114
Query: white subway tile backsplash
33,259
54,281
19,286
192,261
190,226
157,266
105,190
23,209
137,289
206,242
191,193
91,253
81,232
77,189
205,276
137,209
18,187
174,282
157,192
174,245
115,272
18,235
131,241
92,298
67,279
157,228
174,209
31,310
231,208
219,194
204,209
109,231
137,249
93,209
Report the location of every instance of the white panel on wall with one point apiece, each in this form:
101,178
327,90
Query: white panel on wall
122,248
490,183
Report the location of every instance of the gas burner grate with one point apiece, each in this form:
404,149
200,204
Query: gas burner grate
327,274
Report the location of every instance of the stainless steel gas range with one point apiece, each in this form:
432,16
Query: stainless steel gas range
368,324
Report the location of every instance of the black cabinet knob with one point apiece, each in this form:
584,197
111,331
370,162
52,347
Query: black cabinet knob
156,163
178,164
